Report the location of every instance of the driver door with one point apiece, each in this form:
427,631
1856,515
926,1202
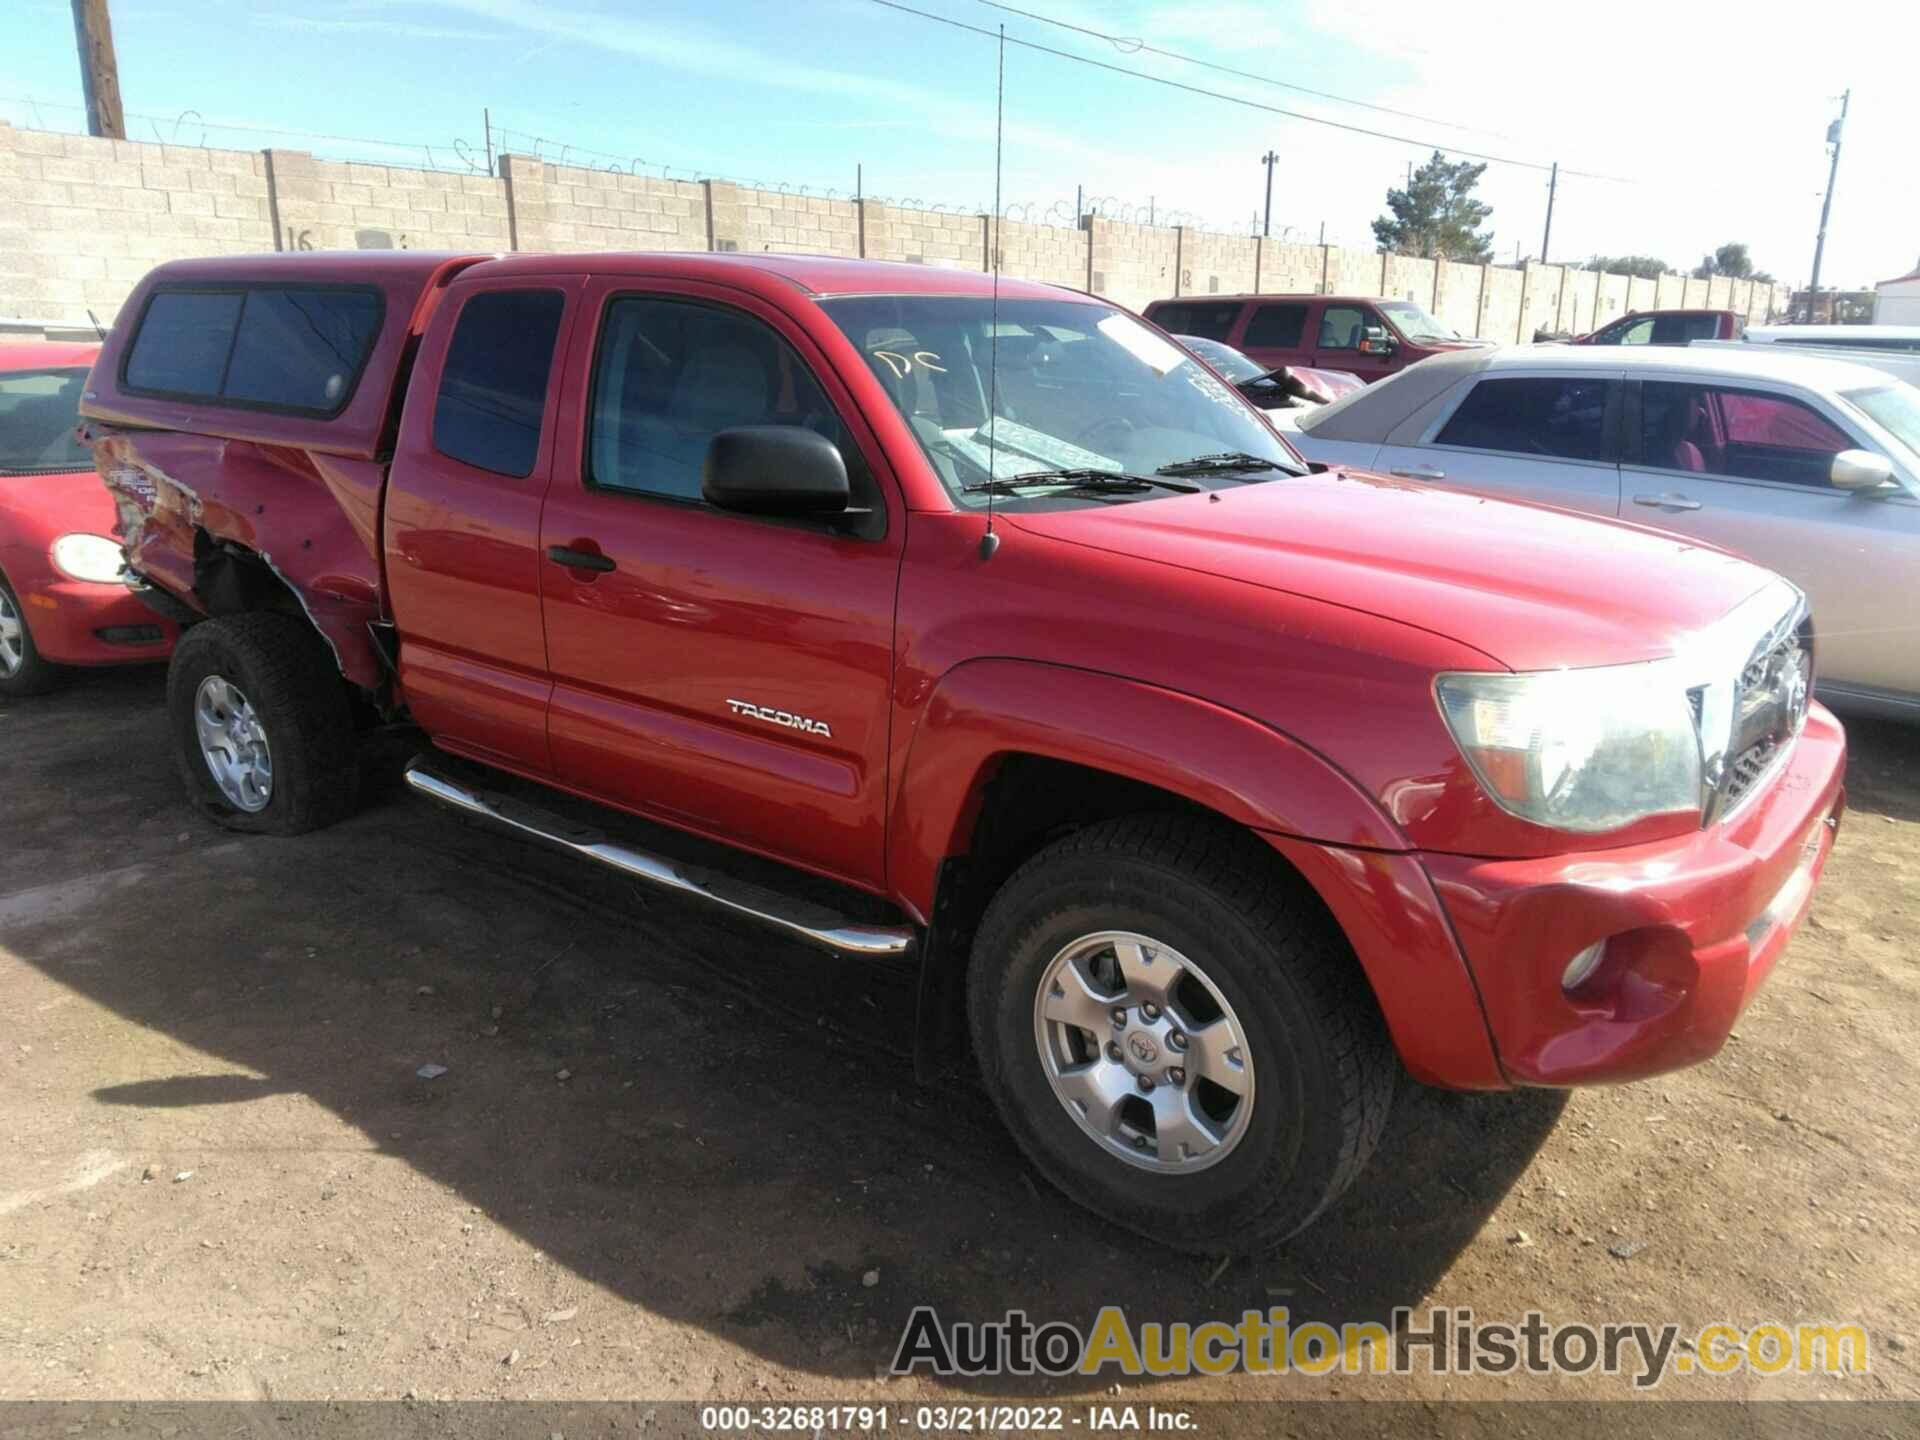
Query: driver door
722,672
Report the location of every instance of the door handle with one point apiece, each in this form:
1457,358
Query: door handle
1421,472
578,559
1667,502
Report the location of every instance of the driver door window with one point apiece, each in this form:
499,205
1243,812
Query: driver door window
1341,327
1737,434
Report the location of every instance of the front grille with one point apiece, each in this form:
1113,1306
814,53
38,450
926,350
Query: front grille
1747,768
1768,708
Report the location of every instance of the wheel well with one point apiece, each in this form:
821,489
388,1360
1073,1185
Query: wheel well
1024,805
230,579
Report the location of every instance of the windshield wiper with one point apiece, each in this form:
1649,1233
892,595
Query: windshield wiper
1112,481
1223,461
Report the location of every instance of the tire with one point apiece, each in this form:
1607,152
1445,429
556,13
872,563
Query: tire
23,669
1254,949
275,679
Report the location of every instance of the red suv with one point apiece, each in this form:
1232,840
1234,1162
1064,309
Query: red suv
1361,334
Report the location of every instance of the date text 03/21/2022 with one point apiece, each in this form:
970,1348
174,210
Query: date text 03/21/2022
943,1419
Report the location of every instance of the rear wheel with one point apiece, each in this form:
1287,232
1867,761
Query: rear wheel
262,725
23,671
1178,1035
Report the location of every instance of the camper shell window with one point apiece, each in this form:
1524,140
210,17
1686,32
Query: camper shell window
292,349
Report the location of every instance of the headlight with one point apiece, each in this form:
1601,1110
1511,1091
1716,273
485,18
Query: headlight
88,557
1579,750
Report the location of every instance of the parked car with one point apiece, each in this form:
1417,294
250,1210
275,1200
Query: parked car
63,600
1287,388
1197,786
1667,327
1808,465
1360,334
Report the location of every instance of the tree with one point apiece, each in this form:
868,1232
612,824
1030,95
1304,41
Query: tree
1644,267
1730,259
1436,216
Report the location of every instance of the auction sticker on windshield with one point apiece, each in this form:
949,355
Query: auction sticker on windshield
1137,340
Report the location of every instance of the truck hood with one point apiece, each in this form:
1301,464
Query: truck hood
1530,586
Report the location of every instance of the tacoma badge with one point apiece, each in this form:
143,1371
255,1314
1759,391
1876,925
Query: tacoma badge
782,717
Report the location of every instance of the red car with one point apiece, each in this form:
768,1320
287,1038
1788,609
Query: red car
63,594
992,635
1363,335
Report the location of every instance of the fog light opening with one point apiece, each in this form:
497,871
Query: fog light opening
1580,969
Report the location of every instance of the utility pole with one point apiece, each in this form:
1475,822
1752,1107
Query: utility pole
99,75
1553,184
1270,159
1826,204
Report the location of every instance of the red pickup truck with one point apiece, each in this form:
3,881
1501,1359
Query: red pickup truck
987,633
1667,327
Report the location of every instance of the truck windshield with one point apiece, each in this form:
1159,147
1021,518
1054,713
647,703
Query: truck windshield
1079,387
38,412
1415,323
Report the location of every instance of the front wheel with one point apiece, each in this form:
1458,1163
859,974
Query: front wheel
23,670
1177,1034
263,730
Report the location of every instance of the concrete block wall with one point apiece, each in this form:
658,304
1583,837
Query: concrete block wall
781,222
926,237
1406,277
1351,272
82,219
1500,309
1288,269
569,208
1215,264
1542,308
1053,254
1131,264
1610,299
1457,298
332,205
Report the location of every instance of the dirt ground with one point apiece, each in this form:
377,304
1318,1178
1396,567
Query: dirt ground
667,1155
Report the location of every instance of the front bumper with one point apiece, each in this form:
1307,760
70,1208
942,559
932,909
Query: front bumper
75,622
1694,925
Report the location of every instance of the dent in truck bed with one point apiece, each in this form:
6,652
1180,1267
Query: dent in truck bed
280,497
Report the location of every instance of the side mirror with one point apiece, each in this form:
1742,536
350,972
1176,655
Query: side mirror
1860,470
775,470
1374,340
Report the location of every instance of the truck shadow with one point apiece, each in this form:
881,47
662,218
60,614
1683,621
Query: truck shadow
736,1141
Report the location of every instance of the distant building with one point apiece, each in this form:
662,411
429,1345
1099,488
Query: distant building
1897,302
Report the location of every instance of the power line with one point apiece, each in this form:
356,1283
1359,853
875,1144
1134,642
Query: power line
1240,100
1134,45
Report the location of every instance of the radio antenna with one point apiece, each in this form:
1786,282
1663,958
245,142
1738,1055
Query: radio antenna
990,541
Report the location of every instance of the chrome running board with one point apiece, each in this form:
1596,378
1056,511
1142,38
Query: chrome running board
801,919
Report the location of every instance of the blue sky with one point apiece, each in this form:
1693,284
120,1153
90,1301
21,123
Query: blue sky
1717,127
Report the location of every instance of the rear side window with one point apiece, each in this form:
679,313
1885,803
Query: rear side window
493,388
1685,329
294,348
1561,418
1208,319
1277,327
39,410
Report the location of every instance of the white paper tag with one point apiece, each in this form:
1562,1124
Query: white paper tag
1148,348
